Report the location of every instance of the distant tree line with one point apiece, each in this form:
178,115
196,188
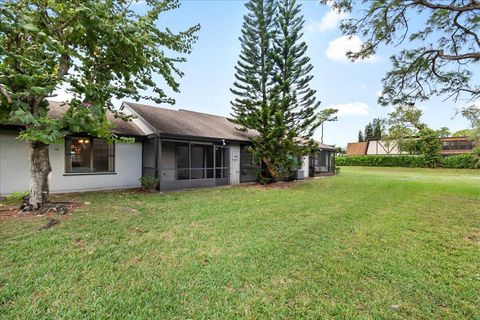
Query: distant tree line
373,130
413,136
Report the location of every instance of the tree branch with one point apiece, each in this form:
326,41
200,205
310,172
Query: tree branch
474,5
466,30
5,94
472,55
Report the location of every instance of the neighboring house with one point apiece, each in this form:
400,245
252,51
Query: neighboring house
380,147
183,149
450,146
456,145
357,148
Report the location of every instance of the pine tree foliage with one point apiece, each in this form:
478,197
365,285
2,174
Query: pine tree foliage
271,89
253,83
360,136
293,71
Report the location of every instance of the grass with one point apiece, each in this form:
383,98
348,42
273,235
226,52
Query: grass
379,243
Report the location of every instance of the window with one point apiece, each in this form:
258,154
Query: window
89,155
457,145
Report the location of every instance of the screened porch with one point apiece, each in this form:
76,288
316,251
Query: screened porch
180,164
322,162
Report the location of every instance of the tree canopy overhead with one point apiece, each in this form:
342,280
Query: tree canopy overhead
98,50
441,40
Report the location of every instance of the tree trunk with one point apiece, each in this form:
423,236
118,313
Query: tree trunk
39,171
321,139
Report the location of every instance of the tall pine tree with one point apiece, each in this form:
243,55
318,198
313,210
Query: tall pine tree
360,136
253,84
369,131
292,73
253,107
271,87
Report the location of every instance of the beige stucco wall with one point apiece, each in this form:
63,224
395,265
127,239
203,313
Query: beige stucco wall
14,164
378,147
234,164
15,168
305,166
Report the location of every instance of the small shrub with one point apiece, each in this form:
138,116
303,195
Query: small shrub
149,183
337,170
17,196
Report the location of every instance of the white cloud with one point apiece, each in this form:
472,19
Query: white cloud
359,88
351,108
328,22
338,48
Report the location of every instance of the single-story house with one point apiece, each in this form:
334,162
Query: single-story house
183,149
456,145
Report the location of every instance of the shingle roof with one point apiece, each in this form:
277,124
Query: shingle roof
321,146
190,123
56,109
326,146
357,148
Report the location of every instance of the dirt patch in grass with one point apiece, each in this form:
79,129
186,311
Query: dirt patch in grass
278,185
474,237
8,212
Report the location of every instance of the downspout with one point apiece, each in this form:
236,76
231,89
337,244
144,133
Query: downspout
156,156
0,165
158,159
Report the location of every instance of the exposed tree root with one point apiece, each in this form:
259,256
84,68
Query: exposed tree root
50,223
57,207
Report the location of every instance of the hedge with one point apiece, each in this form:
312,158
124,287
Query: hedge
464,161
461,161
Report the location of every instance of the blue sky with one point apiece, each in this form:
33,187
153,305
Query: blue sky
351,87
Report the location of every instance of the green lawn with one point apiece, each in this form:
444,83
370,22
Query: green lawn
371,243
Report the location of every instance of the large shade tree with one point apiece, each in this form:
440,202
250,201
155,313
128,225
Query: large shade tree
98,50
414,136
441,40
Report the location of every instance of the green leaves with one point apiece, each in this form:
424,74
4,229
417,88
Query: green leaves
30,27
98,50
414,136
443,45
